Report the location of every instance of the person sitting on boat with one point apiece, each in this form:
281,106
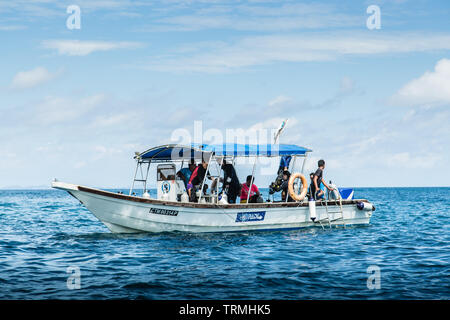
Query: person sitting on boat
317,180
285,186
255,195
185,173
196,179
231,185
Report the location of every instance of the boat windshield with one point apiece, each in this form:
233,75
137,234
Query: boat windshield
166,171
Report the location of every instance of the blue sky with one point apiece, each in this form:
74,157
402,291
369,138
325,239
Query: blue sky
76,104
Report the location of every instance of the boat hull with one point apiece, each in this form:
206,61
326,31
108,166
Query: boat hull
126,214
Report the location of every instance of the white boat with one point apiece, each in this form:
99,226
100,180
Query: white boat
170,212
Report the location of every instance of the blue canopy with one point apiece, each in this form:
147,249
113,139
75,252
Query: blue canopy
249,150
172,152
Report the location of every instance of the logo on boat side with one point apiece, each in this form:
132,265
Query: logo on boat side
250,216
165,187
165,212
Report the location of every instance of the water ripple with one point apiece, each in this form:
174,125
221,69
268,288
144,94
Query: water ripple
43,233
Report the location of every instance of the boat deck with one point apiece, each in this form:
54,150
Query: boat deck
280,204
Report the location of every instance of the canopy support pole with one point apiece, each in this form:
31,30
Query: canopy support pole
293,164
292,171
134,178
304,161
219,168
204,178
146,177
303,167
253,178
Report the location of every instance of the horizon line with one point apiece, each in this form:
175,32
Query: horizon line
127,188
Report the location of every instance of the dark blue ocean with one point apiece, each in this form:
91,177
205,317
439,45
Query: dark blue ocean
45,232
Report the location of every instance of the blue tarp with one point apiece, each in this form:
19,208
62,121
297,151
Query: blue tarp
346,193
172,152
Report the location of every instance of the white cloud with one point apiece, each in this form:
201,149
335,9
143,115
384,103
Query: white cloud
112,120
102,151
261,50
432,88
406,160
32,78
279,100
54,110
12,28
7,154
347,85
83,48
277,23
79,164
56,8
251,16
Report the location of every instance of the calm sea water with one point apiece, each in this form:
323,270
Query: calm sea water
43,232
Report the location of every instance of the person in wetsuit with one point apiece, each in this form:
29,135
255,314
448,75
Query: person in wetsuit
277,185
285,186
231,185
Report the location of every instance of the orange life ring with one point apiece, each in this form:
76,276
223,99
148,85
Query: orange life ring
302,195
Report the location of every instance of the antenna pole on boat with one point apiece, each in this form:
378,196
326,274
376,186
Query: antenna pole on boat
279,131
253,178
